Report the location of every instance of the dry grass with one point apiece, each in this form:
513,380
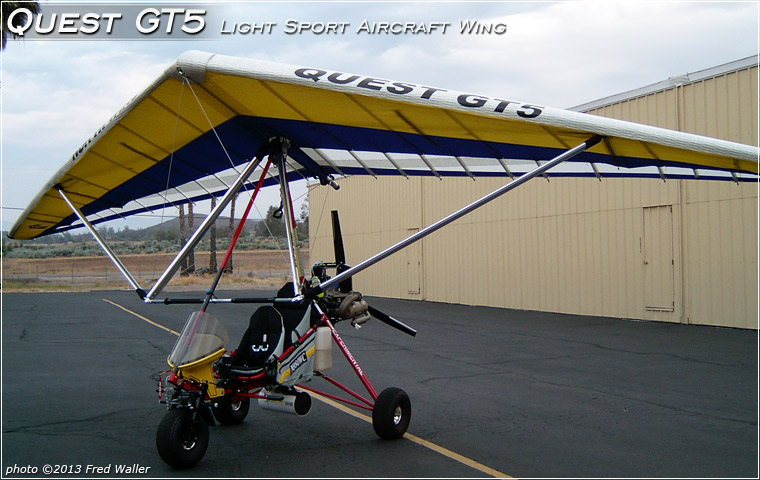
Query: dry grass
256,270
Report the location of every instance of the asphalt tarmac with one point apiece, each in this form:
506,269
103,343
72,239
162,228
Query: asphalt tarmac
494,392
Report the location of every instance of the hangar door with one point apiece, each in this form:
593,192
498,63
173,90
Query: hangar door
659,266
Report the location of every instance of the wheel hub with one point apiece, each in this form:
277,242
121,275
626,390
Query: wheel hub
397,415
191,439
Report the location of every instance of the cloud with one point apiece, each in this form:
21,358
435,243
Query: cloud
68,96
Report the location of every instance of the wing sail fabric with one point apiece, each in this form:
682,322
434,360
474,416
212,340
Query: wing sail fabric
207,114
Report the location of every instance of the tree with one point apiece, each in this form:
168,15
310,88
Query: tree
18,20
212,241
182,239
303,225
191,253
271,225
228,267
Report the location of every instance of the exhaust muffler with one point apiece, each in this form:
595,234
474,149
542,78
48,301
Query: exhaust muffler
298,404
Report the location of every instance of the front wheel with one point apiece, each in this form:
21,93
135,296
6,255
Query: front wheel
229,411
391,413
180,440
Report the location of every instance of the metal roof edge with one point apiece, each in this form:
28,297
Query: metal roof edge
671,82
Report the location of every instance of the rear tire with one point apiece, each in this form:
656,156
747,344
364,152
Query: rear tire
227,411
182,442
391,414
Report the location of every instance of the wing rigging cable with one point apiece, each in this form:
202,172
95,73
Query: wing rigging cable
341,124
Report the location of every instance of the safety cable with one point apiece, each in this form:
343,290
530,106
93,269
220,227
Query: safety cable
203,110
268,174
319,219
245,187
171,163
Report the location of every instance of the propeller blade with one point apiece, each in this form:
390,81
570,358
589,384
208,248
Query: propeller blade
347,285
340,253
387,319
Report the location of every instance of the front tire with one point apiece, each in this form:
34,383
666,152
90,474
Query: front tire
391,413
227,411
181,441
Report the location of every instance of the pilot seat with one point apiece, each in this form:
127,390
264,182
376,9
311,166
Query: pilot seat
263,338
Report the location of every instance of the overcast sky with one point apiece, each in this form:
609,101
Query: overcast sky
56,94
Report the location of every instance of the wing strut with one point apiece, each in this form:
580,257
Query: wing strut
206,224
120,266
452,217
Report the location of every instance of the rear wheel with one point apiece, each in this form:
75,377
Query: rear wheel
391,414
229,411
180,440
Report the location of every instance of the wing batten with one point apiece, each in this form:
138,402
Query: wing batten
361,162
396,165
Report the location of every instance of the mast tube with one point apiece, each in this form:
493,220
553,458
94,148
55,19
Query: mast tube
287,206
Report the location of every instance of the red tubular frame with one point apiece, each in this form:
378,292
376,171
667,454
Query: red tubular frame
344,388
351,360
334,397
357,369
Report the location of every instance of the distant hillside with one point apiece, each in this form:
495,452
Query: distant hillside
167,228
222,225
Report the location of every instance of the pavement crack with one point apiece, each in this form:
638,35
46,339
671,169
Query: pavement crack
651,403
81,421
669,355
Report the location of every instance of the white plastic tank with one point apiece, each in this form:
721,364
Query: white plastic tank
323,353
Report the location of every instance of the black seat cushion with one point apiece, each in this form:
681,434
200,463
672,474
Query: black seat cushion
260,339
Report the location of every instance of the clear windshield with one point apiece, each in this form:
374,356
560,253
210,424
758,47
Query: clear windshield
201,336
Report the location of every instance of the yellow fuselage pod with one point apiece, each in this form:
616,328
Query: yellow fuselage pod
201,371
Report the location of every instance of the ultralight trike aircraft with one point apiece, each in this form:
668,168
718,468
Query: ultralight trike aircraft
213,126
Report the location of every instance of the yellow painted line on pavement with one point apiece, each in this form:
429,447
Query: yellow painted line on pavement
419,441
142,318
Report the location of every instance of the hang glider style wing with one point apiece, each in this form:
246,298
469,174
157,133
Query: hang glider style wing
189,133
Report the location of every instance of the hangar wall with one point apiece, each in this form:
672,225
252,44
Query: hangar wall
677,251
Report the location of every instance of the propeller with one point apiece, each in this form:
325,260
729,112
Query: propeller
340,254
348,302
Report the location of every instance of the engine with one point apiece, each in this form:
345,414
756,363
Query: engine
337,304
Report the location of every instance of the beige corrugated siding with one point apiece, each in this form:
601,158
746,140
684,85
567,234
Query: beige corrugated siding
719,274
678,251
